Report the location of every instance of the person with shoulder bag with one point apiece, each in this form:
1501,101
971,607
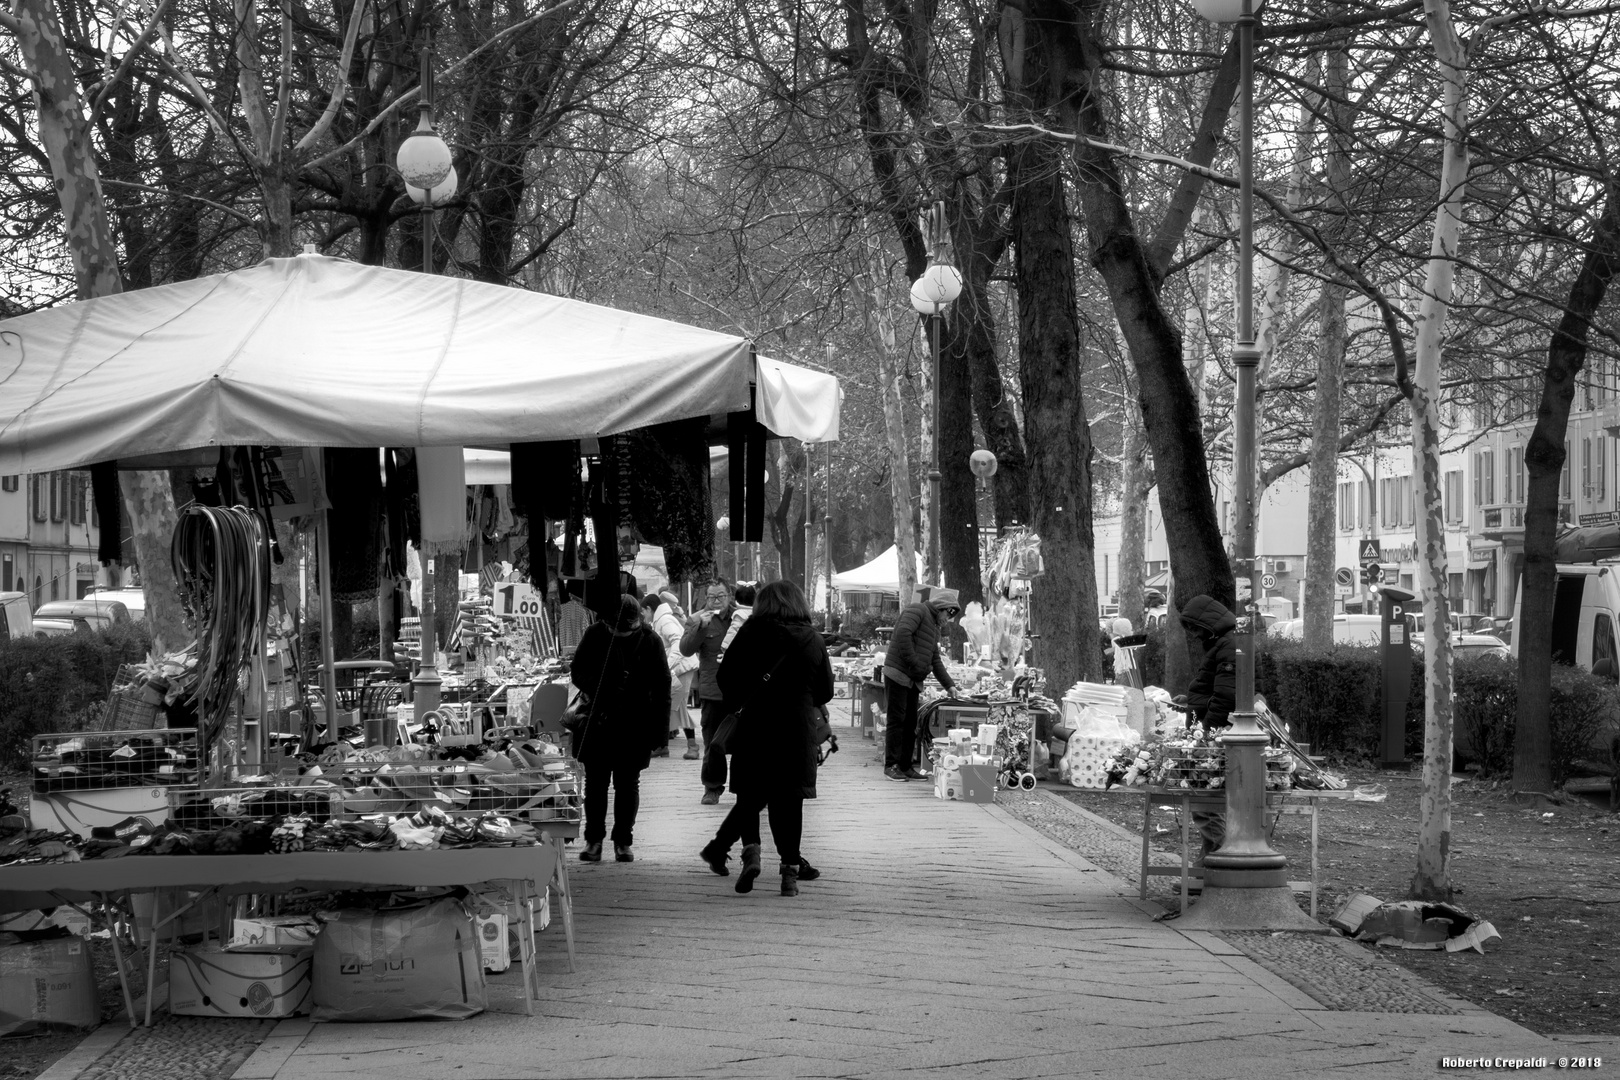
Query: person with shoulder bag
775,677
622,667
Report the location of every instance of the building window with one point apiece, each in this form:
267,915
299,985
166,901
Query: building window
56,587
1347,507
76,499
36,496
59,497
1600,457
1453,496
8,483
8,567
39,590
1563,477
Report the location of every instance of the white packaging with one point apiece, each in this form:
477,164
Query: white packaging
274,930
492,943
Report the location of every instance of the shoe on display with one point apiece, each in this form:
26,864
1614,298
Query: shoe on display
715,857
592,853
711,798
894,772
914,774
622,853
807,872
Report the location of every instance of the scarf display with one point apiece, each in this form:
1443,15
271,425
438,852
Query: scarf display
441,476
745,442
669,495
109,509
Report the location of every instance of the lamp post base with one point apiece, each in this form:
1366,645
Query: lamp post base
1268,908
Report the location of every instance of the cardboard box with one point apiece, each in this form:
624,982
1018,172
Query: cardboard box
978,783
399,965
47,984
80,811
274,930
256,981
1351,913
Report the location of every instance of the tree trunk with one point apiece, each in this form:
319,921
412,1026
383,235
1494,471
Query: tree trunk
994,407
1544,460
880,323
958,494
1320,526
1198,559
1432,881
1133,495
66,136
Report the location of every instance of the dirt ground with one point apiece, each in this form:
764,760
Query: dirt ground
1548,879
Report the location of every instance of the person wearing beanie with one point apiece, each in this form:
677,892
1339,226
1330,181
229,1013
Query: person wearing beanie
620,666
914,651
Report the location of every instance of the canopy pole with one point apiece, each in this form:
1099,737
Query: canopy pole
323,556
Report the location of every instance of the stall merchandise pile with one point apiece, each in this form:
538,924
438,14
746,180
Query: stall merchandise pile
114,759
962,749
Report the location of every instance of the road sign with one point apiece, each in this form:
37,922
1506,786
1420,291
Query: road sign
1341,590
1268,581
1371,551
1344,577
517,600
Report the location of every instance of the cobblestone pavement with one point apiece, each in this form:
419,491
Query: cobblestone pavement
181,1048
1341,976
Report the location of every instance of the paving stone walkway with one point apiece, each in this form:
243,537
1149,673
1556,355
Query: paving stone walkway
945,939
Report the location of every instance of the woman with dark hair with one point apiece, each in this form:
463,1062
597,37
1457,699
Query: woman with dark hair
777,673
621,667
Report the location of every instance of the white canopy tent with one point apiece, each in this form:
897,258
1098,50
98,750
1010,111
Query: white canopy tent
881,575
315,351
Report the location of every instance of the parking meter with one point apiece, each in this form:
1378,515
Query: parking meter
1395,661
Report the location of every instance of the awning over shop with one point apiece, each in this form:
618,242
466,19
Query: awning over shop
1160,581
881,575
316,351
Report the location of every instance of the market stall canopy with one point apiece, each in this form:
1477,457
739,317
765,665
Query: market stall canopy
1587,543
881,575
316,351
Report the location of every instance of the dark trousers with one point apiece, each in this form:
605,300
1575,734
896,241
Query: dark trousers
900,747
713,771
626,781
787,823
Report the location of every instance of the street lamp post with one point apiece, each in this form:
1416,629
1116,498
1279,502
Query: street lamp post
1245,881
424,161
932,292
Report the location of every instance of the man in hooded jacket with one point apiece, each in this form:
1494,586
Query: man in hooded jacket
1213,692
914,651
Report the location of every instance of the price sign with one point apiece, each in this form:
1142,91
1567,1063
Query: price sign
518,600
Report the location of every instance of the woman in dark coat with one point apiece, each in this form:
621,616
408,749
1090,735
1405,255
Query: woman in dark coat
777,672
623,670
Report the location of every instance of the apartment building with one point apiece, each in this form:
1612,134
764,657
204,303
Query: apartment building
49,531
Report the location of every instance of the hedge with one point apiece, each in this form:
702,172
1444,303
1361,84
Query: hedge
60,683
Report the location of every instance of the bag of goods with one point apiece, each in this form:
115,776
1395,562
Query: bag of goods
399,965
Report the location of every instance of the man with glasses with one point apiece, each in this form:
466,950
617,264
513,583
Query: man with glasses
704,638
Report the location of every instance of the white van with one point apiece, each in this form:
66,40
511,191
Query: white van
1586,613
16,621
134,600
1347,629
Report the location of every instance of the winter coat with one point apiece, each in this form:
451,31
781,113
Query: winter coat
914,647
775,750
738,617
705,641
630,714
1213,692
671,631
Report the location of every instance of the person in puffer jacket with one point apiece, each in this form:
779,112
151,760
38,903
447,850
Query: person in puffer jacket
914,652
668,620
1213,692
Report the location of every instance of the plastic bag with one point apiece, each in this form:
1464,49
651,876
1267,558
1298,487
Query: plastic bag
1369,793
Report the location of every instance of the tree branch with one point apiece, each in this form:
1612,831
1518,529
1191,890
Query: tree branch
340,82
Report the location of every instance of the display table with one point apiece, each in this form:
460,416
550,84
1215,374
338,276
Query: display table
527,868
1206,800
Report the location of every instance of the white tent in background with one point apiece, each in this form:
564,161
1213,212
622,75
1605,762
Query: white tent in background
881,575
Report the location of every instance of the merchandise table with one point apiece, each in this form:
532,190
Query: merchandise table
47,885
1293,801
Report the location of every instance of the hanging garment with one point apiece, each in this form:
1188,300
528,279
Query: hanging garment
109,505
602,590
669,495
399,492
354,485
441,476
545,480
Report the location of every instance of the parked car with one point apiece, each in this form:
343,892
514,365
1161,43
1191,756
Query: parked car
97,614
1469,646
133,599
1347,629
61,626
15,619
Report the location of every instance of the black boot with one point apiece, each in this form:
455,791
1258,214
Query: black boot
592,853
807,872
750,868
790,879
716,857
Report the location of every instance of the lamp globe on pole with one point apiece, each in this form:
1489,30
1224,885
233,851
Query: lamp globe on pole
1219,11
442,192
983,463
423,158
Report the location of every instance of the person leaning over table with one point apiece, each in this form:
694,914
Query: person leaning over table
1213,692
622,668
704,638
914,651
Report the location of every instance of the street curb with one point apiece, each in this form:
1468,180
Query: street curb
95,1046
